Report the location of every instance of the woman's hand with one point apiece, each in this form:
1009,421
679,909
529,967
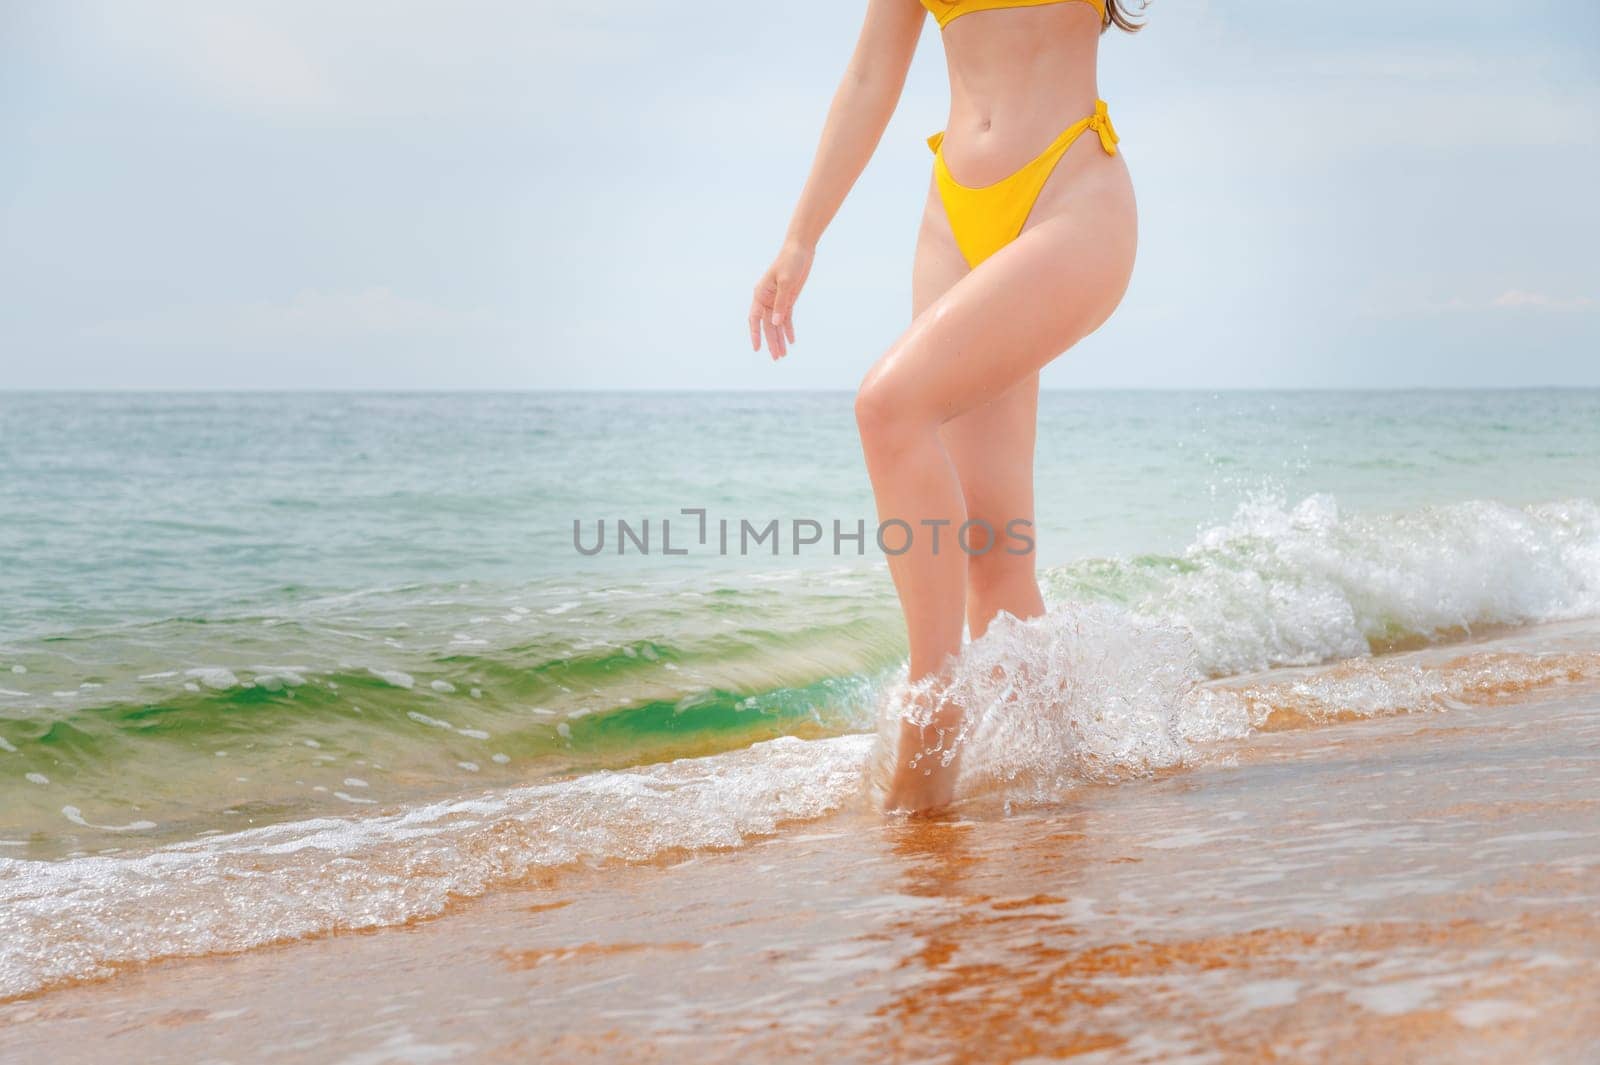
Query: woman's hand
772,308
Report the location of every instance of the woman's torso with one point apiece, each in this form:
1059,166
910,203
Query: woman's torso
1018,76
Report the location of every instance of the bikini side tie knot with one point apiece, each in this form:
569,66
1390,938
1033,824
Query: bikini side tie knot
1100,122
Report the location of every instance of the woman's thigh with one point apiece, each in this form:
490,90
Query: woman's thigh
992,445
978,334
938,264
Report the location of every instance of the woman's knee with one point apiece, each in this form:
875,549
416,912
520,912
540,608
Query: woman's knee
883,411
998,573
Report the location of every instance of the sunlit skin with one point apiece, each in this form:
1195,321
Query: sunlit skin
948,413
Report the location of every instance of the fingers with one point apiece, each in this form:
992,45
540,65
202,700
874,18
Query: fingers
761,309
775,340
782,300
771,315
782,318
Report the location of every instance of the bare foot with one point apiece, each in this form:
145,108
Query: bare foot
922,781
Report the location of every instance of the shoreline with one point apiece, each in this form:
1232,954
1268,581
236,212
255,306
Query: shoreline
1415,884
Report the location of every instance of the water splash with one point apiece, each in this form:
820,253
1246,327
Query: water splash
1085,692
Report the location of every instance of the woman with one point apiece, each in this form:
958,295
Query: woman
1026,246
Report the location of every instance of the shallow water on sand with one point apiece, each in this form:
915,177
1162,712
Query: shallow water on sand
1417,887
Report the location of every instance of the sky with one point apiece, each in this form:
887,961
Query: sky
397,195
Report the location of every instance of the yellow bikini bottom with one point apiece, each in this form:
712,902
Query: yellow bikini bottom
987,218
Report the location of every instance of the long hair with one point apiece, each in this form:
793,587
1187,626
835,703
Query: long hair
1119,18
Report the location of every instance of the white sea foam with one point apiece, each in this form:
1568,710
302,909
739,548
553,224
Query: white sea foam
73,814
395,677
433,722
75,917
1095,693
1087,692
214,677
277,678
1298,585
1374,687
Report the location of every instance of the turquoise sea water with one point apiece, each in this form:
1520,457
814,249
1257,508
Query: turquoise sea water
339,617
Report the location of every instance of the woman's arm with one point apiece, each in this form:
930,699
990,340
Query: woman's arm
861,108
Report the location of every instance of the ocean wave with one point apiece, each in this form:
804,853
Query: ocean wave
1084,695
237,721
427,690
1276,585
1285,585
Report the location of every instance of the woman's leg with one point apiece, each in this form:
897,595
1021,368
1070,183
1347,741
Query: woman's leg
992,448
937,267
988,333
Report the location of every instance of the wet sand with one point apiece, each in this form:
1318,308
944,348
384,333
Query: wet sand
1419,887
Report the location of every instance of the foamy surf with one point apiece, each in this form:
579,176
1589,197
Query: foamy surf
1281,585
84,916
1082,693
1095,693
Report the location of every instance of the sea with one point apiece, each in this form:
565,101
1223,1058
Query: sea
276,665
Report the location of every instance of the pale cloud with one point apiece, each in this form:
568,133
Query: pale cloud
1518,299
309,317
1512,299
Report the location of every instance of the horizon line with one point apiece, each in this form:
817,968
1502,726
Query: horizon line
370,390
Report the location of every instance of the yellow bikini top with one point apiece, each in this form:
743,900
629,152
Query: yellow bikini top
945,10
